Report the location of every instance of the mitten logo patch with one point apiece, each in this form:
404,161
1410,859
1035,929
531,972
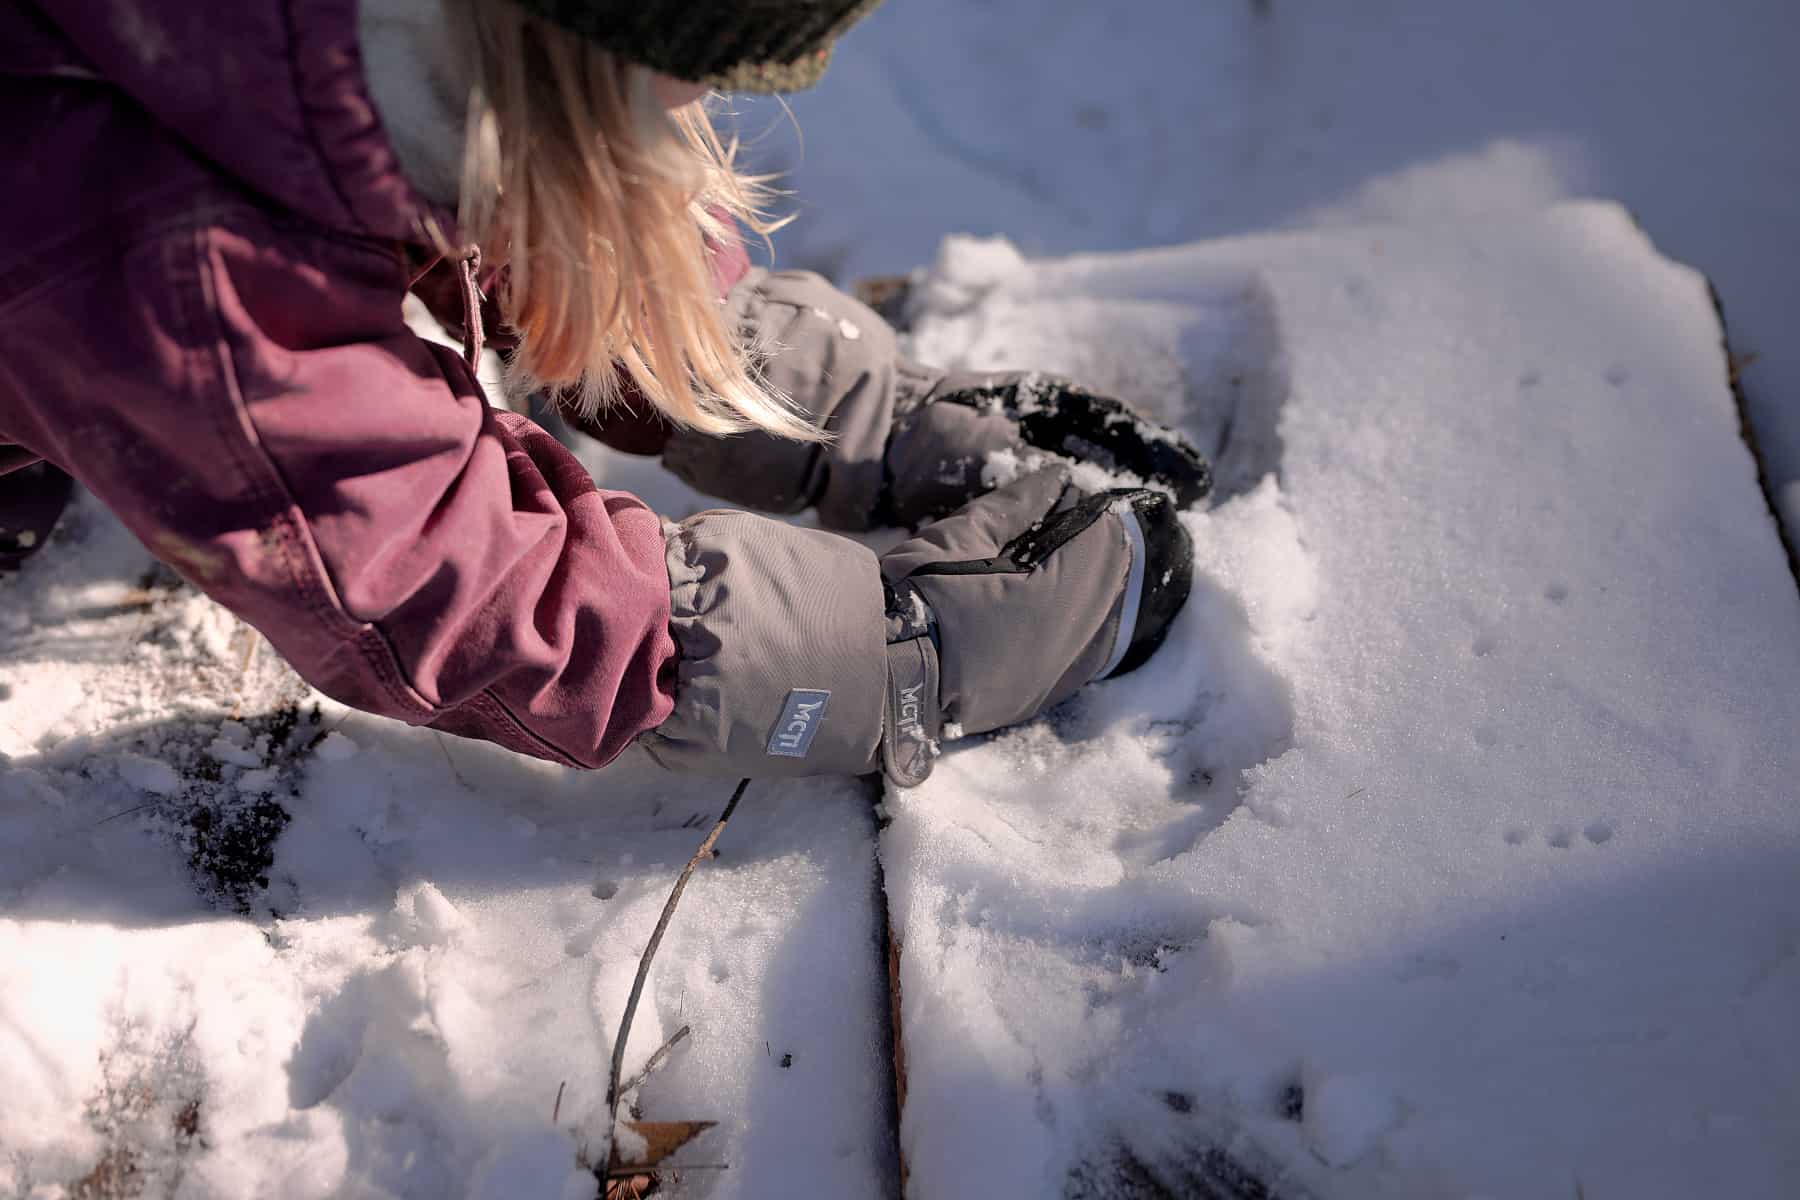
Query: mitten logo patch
907,721
800,720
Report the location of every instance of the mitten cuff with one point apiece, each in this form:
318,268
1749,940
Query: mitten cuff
783,652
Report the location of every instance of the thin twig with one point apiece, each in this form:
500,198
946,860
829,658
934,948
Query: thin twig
655,1060
556,1109
635,1170
643,971
134,808
460,777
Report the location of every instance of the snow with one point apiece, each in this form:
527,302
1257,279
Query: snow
1346,1117
440,956
1070,126
1447,847
146,774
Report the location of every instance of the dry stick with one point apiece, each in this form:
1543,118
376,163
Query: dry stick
655,1060
460,777
643,971
126,813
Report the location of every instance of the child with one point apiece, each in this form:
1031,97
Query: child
215,214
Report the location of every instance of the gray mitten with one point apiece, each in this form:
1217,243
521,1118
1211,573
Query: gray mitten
802,653
909,443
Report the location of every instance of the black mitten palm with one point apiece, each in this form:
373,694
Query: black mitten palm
971,430
909,443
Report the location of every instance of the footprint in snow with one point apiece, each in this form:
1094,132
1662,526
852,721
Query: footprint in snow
1562,837
1429,964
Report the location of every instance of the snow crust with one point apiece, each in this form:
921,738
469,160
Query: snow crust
1448,847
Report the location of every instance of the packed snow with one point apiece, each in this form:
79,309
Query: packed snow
1448,848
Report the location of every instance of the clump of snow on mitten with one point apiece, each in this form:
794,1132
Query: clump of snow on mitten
336,747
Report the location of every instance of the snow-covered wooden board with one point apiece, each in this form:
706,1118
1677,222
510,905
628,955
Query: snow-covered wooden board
421,1000
1448,849
1450,846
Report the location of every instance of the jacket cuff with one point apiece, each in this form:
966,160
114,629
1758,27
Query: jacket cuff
782,645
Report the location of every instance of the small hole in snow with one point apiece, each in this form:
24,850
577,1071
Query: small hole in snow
1599,833
1515,836
606,889
1562,839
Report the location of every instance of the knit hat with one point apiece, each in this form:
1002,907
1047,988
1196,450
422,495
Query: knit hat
731,45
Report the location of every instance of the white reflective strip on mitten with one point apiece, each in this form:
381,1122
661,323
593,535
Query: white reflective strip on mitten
1134,586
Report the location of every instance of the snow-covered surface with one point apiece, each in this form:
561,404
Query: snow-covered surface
1449,847
1073,126
1448,850
439,961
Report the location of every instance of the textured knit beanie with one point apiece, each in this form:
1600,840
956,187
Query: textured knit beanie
732,45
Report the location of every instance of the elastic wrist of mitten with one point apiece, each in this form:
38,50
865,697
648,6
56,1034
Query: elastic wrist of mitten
913,723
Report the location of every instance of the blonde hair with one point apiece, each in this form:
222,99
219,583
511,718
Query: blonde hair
602,205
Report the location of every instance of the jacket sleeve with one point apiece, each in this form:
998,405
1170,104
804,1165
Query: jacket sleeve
342,485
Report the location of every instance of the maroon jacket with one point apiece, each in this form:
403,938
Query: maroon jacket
203,254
